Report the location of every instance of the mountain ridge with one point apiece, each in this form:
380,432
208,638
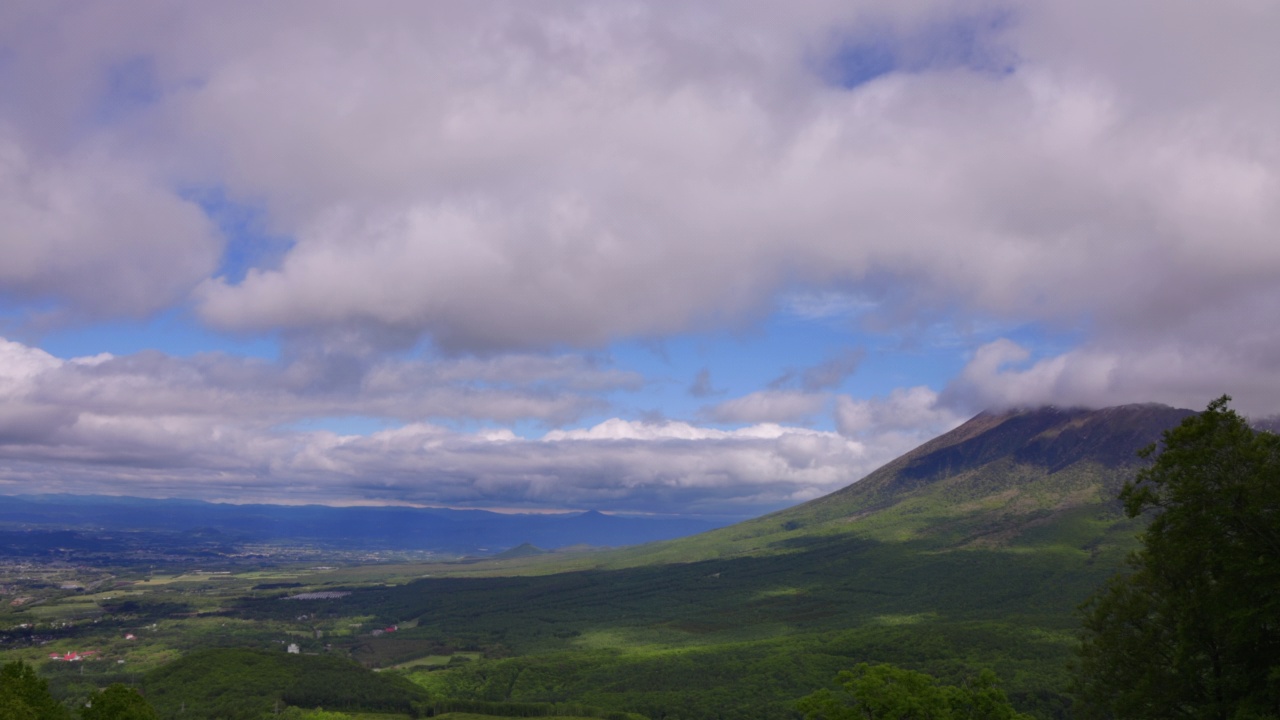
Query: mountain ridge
989,480
1049,436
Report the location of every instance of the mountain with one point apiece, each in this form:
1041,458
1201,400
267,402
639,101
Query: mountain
519,551
1001,471
1000,478
1051,440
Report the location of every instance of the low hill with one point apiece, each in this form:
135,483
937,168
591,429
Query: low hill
520,551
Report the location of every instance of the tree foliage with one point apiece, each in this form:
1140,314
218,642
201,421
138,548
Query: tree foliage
1193,629
118,702
24,695
238,683
886,692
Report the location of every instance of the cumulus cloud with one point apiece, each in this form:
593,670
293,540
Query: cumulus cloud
95,234
899,422
1048,192
798,395
636,468
214,427
561,157
1003,374
220,388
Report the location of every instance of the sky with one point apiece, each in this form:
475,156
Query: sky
704,258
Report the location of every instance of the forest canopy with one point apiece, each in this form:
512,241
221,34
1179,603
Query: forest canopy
1193,629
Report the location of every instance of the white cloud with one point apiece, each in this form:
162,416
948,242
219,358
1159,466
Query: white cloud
95,232
892,425
496,175
210,427
618,429
636,467
1003,374
20,363
218,388
916,408
768,406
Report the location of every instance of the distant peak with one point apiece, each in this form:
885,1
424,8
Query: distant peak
1047,438
1055,436
521,550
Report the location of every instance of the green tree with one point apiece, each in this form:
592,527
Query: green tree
886,692
24,695
118,702
1193,629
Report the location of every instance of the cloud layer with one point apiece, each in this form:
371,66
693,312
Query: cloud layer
221,428
621,170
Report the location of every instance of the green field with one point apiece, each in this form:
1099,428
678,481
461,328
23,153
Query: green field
743,634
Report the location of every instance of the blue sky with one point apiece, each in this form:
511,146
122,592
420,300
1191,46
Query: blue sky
710,259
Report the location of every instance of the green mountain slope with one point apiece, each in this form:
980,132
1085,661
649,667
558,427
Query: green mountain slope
999,479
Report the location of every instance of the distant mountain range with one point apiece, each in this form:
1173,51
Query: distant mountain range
373,528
